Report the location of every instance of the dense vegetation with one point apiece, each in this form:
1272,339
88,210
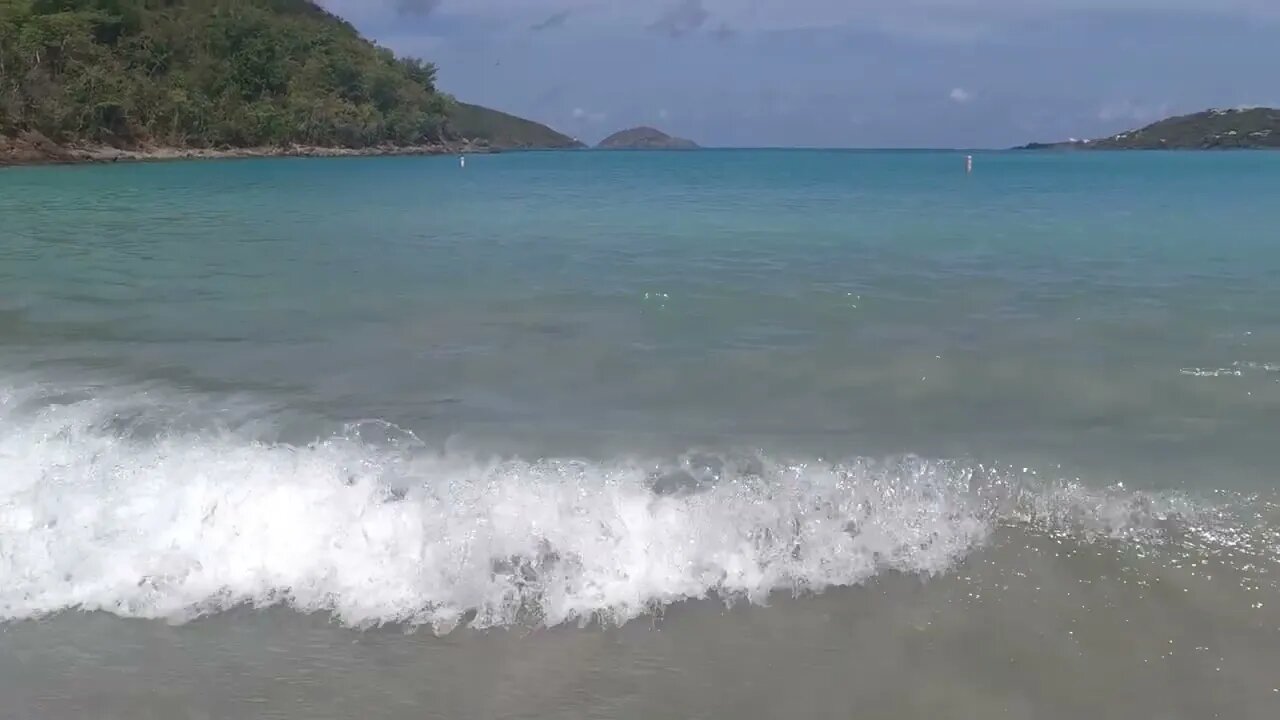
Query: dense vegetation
207,73
1208,130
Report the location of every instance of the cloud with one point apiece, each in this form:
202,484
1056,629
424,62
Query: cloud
1130,111
417,7
591,117
617,57
553,21
725,32
681,19
934,21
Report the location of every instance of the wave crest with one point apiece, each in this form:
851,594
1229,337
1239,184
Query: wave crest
374,527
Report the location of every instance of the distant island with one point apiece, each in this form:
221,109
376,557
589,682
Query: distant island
645,138
1251,128
102,80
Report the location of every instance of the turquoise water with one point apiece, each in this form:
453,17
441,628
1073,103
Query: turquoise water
561,388
1042,310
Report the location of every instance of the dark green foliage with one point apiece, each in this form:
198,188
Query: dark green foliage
207,73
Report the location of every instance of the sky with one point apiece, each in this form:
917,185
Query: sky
841,73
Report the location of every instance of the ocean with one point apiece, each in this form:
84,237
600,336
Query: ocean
725,434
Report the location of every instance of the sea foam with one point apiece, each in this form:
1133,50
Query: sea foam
108,503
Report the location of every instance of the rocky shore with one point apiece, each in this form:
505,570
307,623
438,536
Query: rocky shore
35,149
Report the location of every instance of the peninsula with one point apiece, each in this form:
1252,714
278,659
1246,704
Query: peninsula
1244,128
104,80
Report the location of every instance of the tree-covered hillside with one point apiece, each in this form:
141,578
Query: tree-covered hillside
1231,129
205,73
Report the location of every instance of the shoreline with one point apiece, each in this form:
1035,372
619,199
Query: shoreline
35,150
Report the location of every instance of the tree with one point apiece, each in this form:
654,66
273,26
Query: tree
207,72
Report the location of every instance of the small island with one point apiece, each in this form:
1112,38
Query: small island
645,138
1231,129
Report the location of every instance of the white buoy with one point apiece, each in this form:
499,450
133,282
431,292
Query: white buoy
968,163
462,162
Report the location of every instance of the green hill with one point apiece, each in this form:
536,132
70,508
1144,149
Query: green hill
221,73
645,138
501,130
1252,128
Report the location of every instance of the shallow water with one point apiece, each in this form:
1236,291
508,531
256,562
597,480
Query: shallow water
725,434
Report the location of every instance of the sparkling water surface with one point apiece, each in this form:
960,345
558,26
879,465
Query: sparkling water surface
947,433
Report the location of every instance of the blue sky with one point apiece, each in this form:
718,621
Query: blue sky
841,73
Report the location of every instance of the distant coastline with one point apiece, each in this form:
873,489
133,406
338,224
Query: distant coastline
101,82
1214,129
27,150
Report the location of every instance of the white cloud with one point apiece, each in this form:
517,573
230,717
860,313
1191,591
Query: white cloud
1255,105
581,115
1130,111
603,60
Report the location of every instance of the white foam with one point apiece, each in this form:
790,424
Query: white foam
1211,372
173,525
179,523
1237,369
1252,365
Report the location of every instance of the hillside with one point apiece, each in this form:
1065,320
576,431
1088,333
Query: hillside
220,74
645,138
500,130
1252,128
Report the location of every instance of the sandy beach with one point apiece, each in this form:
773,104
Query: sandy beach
32,148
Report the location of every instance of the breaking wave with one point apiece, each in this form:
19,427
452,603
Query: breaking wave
120,503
